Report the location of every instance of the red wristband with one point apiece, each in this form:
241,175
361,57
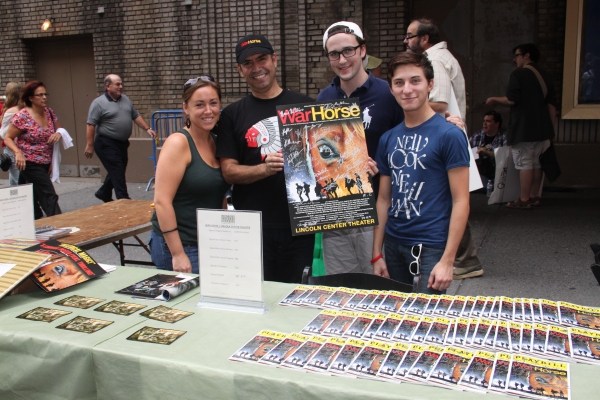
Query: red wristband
379,257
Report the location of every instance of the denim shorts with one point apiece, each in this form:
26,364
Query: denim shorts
161,255
398,258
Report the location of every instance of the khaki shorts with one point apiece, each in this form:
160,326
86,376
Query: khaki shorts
526,155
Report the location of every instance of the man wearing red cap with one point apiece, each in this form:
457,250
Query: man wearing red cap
249,147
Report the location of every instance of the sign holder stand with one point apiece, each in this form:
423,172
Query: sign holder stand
230,260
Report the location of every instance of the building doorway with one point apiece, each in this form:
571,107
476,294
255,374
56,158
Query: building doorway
66,66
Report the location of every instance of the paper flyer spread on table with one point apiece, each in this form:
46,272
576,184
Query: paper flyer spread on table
230,258
79,302
166,314
161,287
156,335
43,314
17,220
329,186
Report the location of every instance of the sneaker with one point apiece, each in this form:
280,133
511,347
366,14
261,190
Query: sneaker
468,272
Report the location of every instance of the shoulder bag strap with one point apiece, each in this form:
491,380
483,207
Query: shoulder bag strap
540,79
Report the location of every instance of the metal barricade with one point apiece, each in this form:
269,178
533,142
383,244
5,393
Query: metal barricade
164,122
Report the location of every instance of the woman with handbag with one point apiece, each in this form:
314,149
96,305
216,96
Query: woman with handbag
12,105
31,137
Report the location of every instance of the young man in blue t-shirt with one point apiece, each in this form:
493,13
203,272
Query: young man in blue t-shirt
423,202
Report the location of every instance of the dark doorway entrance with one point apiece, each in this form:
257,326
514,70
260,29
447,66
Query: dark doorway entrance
66,66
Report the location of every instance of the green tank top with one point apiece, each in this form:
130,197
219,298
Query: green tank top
202,186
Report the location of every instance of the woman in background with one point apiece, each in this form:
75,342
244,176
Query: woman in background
31,137
188,176
12,105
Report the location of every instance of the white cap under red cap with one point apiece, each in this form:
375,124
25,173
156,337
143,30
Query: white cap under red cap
351,28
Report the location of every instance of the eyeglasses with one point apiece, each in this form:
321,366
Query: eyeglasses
347,52
415,266
409,36
42,95
517,55
193,81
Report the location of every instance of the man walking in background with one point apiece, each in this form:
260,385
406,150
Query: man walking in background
109,126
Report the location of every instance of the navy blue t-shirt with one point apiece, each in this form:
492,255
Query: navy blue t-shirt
380,110
417,160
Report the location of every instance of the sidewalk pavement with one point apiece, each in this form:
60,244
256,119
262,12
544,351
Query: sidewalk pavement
541,253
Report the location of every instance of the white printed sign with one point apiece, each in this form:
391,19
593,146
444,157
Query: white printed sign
230,254
16,212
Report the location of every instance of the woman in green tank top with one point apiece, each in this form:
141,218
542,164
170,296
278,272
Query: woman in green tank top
188,176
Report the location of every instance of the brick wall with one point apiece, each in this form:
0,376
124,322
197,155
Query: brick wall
385,24
155,45
550,35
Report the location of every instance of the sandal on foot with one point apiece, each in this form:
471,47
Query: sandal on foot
535,201
518,203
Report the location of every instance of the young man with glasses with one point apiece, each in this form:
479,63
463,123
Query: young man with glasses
423,36
423,202
110,121
249,147
345,47
532,120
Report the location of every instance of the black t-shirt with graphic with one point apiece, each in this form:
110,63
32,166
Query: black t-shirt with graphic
248,131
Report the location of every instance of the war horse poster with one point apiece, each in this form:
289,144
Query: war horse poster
328,180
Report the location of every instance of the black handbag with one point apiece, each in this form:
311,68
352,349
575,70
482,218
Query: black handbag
549,163
5,162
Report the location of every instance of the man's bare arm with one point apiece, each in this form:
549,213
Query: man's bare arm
90,132
383,204
499,100
442,274
439,107
141,122
235,173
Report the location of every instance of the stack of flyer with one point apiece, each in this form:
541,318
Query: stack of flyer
515,346
444,366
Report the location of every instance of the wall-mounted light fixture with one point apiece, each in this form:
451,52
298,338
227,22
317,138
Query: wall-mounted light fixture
187,2
47,24
100,10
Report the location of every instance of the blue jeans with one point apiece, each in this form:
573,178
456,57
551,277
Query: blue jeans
161,255
398,258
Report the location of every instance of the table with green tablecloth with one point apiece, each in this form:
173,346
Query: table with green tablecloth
38,361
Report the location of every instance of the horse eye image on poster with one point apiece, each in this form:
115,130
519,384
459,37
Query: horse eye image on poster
328,178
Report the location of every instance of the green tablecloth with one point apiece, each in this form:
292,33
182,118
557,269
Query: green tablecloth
38,361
